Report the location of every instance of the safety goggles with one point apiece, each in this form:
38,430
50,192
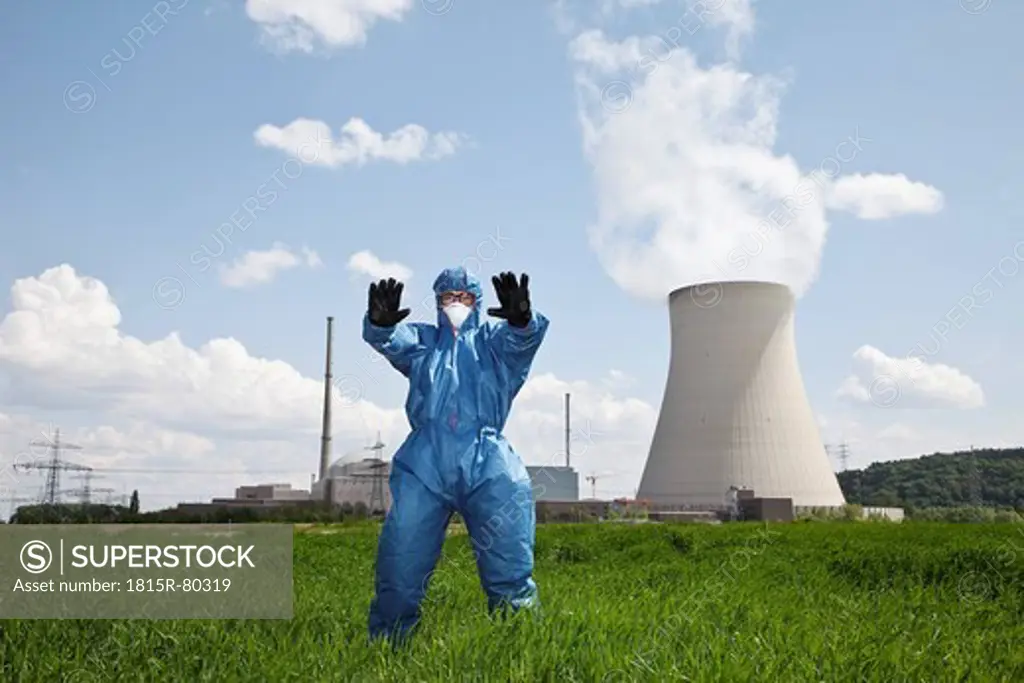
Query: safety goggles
449,298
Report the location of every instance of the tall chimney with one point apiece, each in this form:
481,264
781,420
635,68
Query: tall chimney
567,430
325,438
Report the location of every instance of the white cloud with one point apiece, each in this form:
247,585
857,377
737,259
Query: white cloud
689,185
899,432
63,349
165,466
676,173
367,263
629,4
736,16
563,16
358,143
852,387
304,24
610,434
260,267
895,380
917,434
876,196
140,442
142,404
617,379
593,50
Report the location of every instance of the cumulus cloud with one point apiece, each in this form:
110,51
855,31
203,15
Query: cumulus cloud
689,186
358,143
63,341
916,434
260,267
618,378
853,388
899,432
876,196
891,381
164,466
133,403
366,263
302,25
610,434
735,16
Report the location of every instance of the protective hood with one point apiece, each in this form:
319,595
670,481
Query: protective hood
458,280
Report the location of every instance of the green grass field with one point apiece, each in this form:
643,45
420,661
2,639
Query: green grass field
744,602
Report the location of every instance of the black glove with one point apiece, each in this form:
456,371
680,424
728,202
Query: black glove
514,299
385,300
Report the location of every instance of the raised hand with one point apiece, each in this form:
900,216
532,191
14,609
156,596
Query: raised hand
385,303
514,299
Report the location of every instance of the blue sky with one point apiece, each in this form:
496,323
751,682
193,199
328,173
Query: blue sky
127,191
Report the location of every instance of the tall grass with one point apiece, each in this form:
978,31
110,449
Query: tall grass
741,602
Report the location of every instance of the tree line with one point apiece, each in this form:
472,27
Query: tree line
969,486
987,478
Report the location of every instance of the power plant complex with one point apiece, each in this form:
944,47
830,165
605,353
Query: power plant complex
735,420
735,434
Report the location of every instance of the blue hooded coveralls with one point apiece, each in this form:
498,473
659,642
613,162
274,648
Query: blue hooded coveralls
461,386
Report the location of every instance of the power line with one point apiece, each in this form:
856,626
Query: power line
378,465
54,467
164,494
159,470
843,453
86,492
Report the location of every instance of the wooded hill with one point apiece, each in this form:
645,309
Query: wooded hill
985,477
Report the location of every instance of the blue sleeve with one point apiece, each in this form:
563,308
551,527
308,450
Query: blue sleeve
400,344
515,347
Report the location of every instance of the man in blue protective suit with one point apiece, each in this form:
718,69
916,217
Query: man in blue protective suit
462,376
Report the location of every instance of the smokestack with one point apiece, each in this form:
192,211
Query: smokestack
567,430
325,438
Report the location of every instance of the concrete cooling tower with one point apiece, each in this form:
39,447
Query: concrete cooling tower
735,411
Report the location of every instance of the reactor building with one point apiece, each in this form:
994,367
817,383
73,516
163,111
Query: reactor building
357,481
554,483
735,412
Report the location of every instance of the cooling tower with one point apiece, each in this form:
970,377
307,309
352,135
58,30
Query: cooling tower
735,411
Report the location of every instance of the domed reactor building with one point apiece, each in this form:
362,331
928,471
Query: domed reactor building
735,411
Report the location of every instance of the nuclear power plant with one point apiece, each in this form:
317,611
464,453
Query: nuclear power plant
736,437
735,414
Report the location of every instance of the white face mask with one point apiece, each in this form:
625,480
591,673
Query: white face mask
457,314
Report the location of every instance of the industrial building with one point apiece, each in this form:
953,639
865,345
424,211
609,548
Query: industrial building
356,481
735,412
260,496
361,481
554,483
270,492
735,416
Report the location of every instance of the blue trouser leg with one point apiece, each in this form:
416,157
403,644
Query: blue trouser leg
407,552
500,519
